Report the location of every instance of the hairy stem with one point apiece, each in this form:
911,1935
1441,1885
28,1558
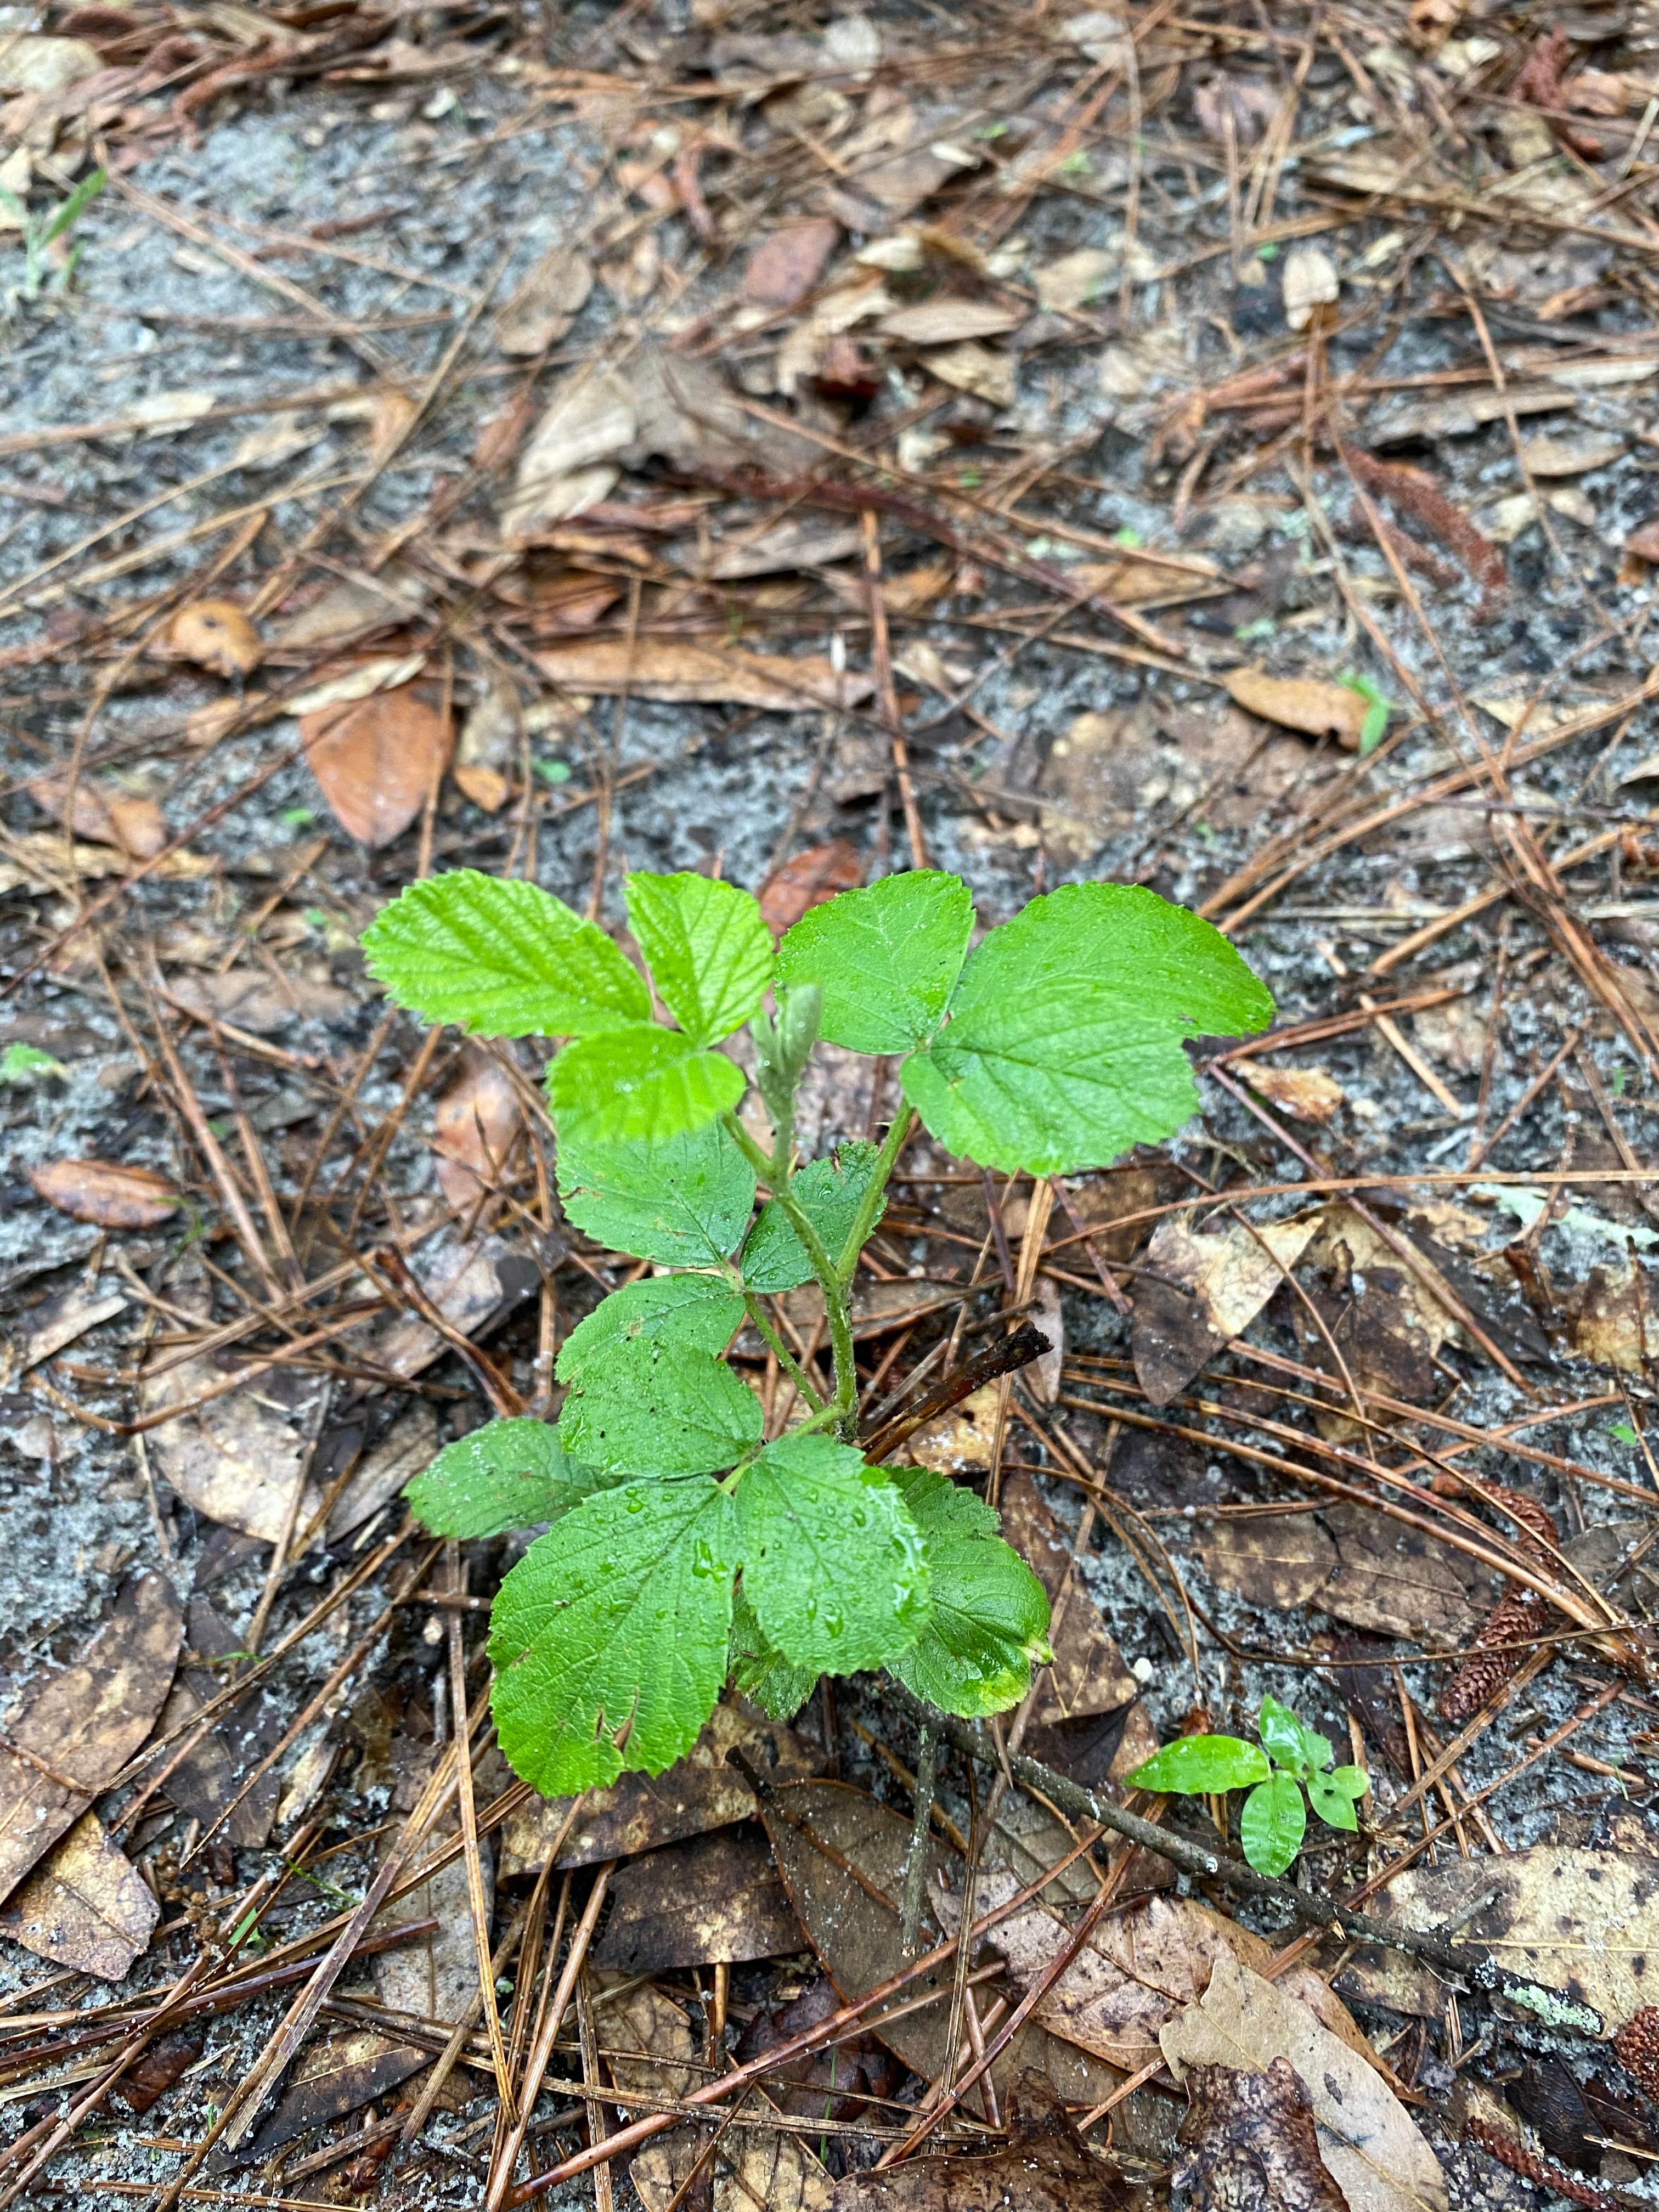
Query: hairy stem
792,1367
777,1178
886,1160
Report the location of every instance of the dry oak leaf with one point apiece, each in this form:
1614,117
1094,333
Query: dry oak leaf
87,1907
1370,2143
1253,2147
785,267
104,1191
377,760
215,635
1307,703
679,671
84,1721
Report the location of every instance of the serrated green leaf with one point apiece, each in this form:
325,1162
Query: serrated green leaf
885,957
1064,1044
833,1563
1192,1766
613,1625
658,1408
989,1620
703,1311
507,1475
1288,1740
760,1670
503,958
640,1082
708,948
831,1190
1271,1823
685,1202
1333,1804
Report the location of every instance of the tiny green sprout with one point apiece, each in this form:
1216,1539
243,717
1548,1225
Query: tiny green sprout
1290,1758
971,479
553,771
1616,1081
297,817
1374,728
1622,1432
1268,251
1251,633
684,1548
1129,539
41,232
26,1063
1076,165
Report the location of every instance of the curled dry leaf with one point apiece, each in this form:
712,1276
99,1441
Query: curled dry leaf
679,670
1200,1288
1252,2144
808,879
546,304
475,1124
86,1906
1309,282
132,824
566,466
1306,1094
103,1191
215,635
1367,2140
785,267
945,322
84,1721
1617,1321
356,679
1318,709
377,760
34,62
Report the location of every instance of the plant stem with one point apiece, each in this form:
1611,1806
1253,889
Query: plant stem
777,1179
786,1359
886,1160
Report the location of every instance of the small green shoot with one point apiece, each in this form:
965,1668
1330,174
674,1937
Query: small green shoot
1290,1758
1378,707
41,232
26,1063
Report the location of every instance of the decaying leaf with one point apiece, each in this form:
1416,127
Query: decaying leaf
218,636
473,1129
104,1191
48,1327
1088,1676
86,1906
716,1897
1583,1922
703,1791
1371,2145
784,267
680,670
1356,1564
1076,280
1252,2143
946,322
1200,1289
566,463
474,1281
546,303
338,2074
746,2169
1318,709
132,823
254,999
33,61
1306,1094
378,760
211,1773
842,1857
435,1975
1617,1322
410,1444
1047,2168
1309,282
83,1722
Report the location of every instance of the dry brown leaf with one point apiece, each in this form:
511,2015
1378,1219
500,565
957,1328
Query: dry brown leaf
436,1975
1200,1289
377,760
1583,1922
48,1327
255,1000
680,670
567,464
716,1897
1046,2167
842,1857
345,680
944,322
1088,1674
355,603
337,2076
86,1906
104,1191
211,1773
473,1129
702,1791
1617,1321
30,61
411,1445
1306,1094
84,1721
785,267
546,303
808,879
462,1277
133,825
1573,453
1309,282
215,635
1318,709
1252,2145
1370,2143
1076,280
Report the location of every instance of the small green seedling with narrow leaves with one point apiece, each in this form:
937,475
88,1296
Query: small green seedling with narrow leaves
684,1548
1290,1758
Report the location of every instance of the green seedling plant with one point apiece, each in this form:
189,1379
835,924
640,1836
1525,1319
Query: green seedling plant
1290,1758
683,1549
41,232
